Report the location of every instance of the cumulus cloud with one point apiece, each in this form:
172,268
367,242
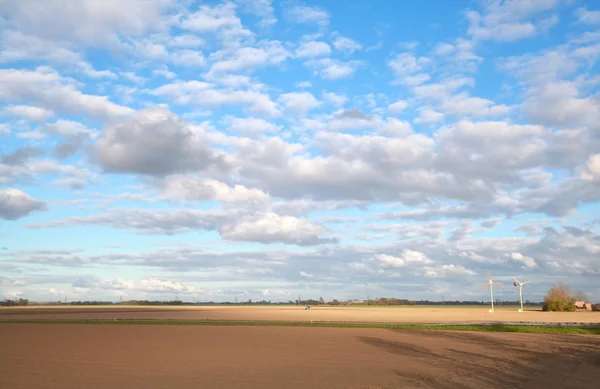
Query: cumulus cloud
298,103
305,14
332,69
526,261
205,95
87,22
250,126
313,49
153,142
15,204
220,20
397,107
193,188
511,20
21,156
272,228
591,170
48,90
346,45
235,225
246,58
34,114
407,257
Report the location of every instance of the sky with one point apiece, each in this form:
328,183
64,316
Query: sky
259,149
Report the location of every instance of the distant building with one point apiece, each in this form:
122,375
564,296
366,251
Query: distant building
583,306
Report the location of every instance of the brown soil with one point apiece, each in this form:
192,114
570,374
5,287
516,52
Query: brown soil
127,356
293,313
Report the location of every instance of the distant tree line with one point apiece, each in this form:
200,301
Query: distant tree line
15,302
90,303
379,301
153,302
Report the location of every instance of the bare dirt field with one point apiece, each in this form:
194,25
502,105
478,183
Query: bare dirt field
68,356
423,315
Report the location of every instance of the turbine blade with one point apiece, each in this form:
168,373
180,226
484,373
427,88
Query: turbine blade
485,286
489,274
495,283
515,278
526,282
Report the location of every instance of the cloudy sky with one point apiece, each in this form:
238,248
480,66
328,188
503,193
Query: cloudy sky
265,149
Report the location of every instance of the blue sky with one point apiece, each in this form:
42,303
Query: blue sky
262,149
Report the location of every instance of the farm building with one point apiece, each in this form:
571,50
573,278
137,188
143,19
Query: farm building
582,305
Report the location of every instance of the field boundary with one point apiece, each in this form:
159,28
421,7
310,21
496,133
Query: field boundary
526,327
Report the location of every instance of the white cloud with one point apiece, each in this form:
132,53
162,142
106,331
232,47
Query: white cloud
220,19
305,14
28,112
462,104
448,271
147,285
15,204
352,120
586,16
428,115
313,49
202,94
443,49
188,58
87,22
395,127
68,128
303,84
346,45
18,46
153,142
334,99
526,261
409,69
251,126
298,103
443,89
246,58
46,89
186,41
511,20
591,170
192,188
406,258
271,228
261,8
90,72
330,69
397,107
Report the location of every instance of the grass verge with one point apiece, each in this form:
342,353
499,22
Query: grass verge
450,327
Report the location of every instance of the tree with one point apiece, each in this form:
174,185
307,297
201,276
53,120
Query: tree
559,298
580,296
321,301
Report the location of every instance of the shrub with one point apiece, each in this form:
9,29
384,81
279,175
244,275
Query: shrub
559,298
559,305
596,307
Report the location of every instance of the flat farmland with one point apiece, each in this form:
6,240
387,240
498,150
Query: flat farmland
416,315
69,356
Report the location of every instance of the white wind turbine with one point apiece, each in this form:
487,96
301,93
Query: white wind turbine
491,284
517,282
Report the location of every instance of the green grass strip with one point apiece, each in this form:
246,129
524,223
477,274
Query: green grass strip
450,327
